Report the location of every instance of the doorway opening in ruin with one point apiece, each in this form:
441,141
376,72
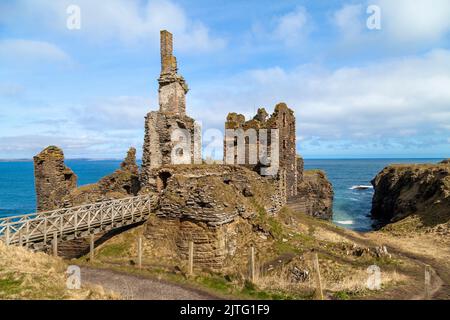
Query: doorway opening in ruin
161,182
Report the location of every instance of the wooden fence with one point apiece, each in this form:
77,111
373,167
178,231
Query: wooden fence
73,222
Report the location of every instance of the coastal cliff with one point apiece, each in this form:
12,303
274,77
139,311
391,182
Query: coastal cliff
314,193
417,191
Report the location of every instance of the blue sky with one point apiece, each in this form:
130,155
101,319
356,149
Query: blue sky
356,92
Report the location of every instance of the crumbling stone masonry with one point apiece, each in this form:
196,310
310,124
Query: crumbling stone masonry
53,180
56,184
124,182
212,205
161,143
56,187
283,120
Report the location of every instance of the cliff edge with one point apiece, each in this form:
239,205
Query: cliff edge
419,192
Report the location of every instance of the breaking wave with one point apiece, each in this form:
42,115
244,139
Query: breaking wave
361,187
345,222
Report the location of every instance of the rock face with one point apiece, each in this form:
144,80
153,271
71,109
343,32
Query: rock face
53,180
129,164
315,195
211,205
417,189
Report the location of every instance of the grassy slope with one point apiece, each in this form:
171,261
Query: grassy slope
28,275
295,236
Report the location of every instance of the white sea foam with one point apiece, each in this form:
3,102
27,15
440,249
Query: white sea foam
345,222
360,187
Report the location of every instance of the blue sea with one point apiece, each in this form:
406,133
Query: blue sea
351,206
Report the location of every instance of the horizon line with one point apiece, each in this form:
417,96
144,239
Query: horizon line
305,158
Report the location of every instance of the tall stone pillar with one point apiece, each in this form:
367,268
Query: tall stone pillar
172,86
162,125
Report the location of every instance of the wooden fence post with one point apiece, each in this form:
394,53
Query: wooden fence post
55,244
427,282
8,235
140,252
92,247
20,238
252,264
191,258
318,279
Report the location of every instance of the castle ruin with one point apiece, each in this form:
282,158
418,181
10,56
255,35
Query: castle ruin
282,120
220,208
168,130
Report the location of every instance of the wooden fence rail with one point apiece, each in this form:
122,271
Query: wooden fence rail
72,222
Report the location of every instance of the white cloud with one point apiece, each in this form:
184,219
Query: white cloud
290,29
129,21
418,20
21,51
348,20
114,113
400,99
293,26
403,22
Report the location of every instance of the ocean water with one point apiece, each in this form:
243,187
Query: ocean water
351,207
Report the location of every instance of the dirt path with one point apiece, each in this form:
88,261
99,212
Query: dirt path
422,251
134,287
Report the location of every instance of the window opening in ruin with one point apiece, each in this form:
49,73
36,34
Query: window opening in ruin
284,119
163,177
179,152
67,176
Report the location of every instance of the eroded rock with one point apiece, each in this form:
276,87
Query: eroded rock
417,189
53,179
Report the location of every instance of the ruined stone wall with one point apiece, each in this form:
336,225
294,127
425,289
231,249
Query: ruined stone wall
162,139
211,205
56,184
172,86
282,119
300,168
53,180
162,146
124,182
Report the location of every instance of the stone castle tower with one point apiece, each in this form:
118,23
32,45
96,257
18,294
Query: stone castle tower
282,119
162,139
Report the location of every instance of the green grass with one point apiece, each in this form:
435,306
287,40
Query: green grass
342,295
113,250
9,286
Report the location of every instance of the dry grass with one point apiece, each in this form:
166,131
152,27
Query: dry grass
352,281
322,234
28,275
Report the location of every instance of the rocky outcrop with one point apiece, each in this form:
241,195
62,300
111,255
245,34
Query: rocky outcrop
53,180
129,164
124,182
422,190
215,206
315,195
56,184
